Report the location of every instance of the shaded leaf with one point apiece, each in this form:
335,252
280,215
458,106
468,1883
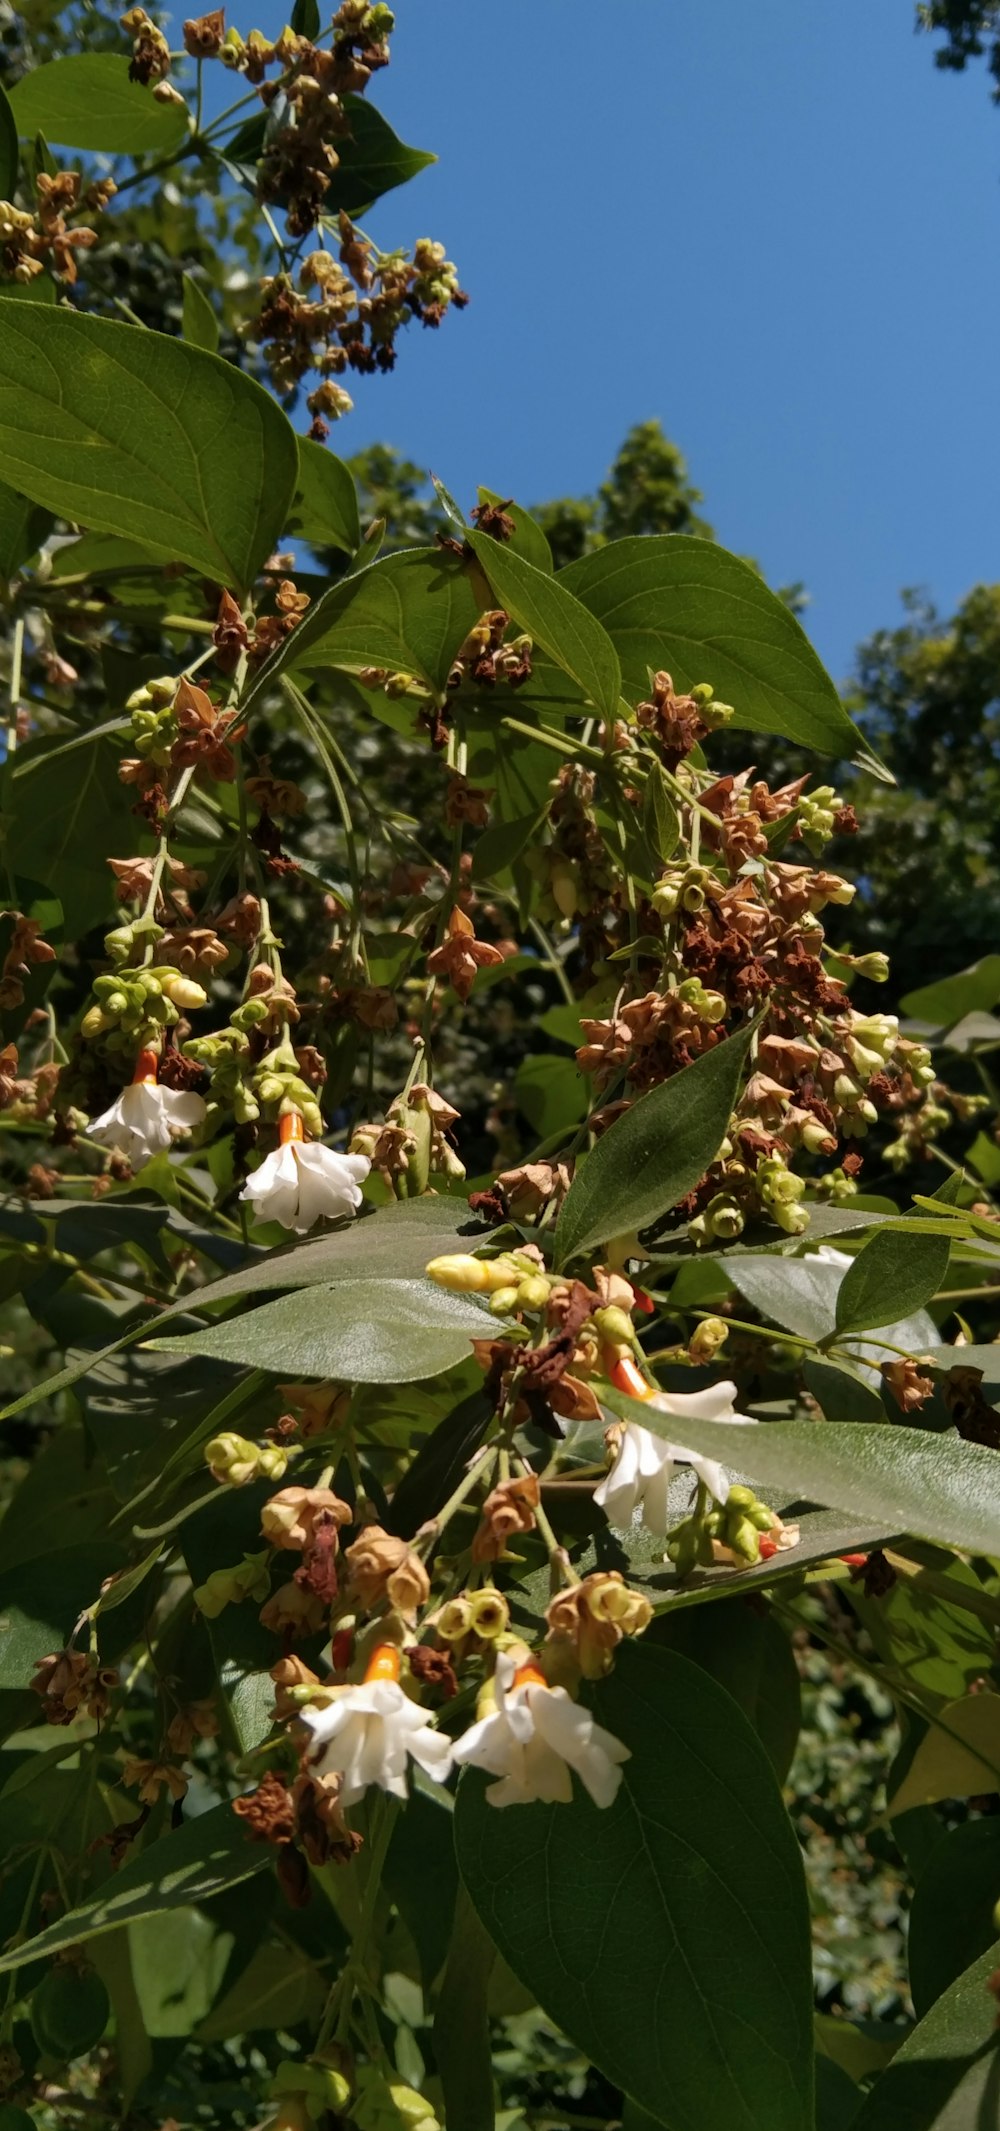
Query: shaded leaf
188,1866
132,432
625,1954
8,148
461,2024
554,619
41,1601
660,819
649,1158
946,2076
682,603
87,815
750,1655
439,1464
552,1093
23,527
325,504
199,322
86,100
933,1485
952,1917
892,1275
279,1988
958,1756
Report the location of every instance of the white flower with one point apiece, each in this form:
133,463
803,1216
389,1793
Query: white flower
644,1467
366,1734
301,1182
534,1737
144,1120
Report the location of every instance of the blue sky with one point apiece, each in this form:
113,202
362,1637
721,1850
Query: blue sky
776,227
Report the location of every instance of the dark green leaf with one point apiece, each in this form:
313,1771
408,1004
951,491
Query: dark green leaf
801,1294
952,1918
439,1464
87,101
421,1877
936,1486
684,604
88,818
501,844
363,1331
325,505
23,527
660,819
969,991
837,2098
461,2025
8,148
200,325
650,1157
410,613
554,619
306,19
841,1393
373,160
129,431
891,1276
41,1601
279,1988
750,1655
946,2077
626,1952
188,1866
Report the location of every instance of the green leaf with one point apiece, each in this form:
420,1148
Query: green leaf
8,148
891,1276
550,1090
750,1655
199,323
946,2077
306,19
676,602
364,1331
188,1866
279,1988
410,613
837,2097
23,527
325,505
132,432
500,844
87,101
969,991
88,819
952,1917
660,819
373,160
958,1756
649,1158
627,1951
801,1294
461,2024
527,538
179,1960
41,1601
554,619
439,1464
935,1486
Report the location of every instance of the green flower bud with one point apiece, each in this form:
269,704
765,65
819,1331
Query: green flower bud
615,1325
533,1293
250,1014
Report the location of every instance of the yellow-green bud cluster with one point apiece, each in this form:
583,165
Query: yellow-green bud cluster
224,1054
229,1587
319,2087
780,1192
512,1280
682,888
484,1613
154,726
133,1005
234,1460
708,1005
816,813
387,2105
712,713
280,1088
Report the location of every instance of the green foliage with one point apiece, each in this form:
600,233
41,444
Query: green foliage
87,101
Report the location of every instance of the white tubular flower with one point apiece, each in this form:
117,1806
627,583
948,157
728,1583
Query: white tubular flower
534,1737
146,1118
302,1183
367,1734
644,1467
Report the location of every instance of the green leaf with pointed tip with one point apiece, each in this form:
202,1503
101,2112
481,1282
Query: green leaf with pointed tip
684,604
951,1915
409,613
563,627
186,1867
200,325
649,1158
86,100
85,807
891,1276
373,160
695,1853
969,991
23,527
132,432
8,148
527,538
325,505
364,1332
946,2076
660,819
933,1485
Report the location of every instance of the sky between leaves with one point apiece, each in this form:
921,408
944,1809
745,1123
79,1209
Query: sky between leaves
775,226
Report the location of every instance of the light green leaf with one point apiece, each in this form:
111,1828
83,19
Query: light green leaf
461,2024
129,431
8,148
952,1917
660,819
179,1960
684,604
188,1866
409,613
695,1854
649,1158
892,1275
527,538
363,1331
958,1756
933,1485
200,325
969,991
946,2077
325,505
554,619
87,101
551,1092
801,1294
